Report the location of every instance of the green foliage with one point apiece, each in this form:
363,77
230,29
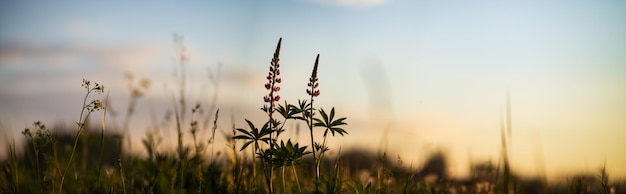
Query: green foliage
254,135
288,154
289,111
331,185
359,188
329,124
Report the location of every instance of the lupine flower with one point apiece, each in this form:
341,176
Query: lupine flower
312,91
272,78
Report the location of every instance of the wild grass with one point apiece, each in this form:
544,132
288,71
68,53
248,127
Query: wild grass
258,157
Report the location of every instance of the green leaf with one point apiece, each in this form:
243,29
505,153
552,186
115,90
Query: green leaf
251,125
244,132
245,145
329,123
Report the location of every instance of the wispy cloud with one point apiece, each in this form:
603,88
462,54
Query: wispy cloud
350,3
29,56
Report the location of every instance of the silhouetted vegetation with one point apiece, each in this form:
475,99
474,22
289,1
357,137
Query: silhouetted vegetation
88,159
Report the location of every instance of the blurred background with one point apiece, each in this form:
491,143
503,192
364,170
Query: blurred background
413,77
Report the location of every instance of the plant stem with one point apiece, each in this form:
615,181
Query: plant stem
296,175
270,169
181,151
129,114
315,159
284,187
104,113
119,160
14,165
100,158
81,125
69,162
256,148
36,150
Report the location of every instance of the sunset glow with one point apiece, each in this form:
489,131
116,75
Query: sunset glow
432,75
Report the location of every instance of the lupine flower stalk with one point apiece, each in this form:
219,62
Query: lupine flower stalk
273,80
313,92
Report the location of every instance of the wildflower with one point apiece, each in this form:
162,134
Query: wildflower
98,88
313,84
272,78
27,133
95,105
86,83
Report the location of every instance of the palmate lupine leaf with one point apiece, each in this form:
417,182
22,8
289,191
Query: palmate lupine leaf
254,135
321,148
265,154
287,154
289,111
329,123
303,107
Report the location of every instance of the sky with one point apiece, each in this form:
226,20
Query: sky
427,75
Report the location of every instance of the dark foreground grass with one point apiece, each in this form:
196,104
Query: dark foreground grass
353,172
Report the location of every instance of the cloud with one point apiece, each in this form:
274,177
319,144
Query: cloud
40,80
350,3
25,57
42,69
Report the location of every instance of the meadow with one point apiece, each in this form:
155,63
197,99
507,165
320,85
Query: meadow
259,158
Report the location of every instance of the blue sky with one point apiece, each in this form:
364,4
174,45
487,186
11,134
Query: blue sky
433,73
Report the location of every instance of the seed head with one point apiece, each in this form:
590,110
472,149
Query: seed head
86,83
99,88
95,105
27,133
